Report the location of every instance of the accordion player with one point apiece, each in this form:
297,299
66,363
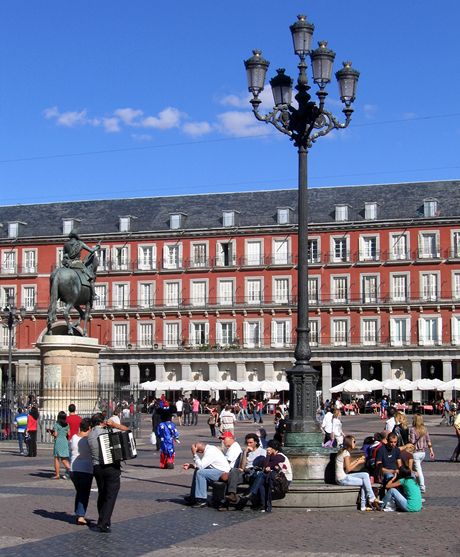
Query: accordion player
116,446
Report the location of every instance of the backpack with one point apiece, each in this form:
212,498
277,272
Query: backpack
279,485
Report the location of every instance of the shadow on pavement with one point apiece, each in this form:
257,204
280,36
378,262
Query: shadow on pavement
61,516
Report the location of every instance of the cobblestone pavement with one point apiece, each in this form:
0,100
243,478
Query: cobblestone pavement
151,521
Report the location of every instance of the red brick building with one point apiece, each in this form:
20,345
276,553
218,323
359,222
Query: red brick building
204,286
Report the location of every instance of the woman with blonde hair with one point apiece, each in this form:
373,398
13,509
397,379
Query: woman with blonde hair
419,436
337,431
401,429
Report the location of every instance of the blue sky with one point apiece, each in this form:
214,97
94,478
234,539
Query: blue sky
111,98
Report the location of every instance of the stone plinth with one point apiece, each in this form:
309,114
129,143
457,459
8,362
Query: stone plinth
69,371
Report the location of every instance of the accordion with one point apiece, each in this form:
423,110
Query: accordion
117,445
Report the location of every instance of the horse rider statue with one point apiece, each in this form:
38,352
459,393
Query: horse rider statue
71,258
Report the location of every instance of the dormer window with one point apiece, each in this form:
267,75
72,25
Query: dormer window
68,225
176,220
341,213
430,208
124,224
13,229
284,215
229,218
370,211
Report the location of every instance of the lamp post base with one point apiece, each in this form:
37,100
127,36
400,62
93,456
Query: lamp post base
319,497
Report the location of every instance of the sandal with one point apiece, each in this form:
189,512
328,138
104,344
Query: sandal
81,521
55,477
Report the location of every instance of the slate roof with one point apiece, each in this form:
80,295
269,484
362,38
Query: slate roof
257,208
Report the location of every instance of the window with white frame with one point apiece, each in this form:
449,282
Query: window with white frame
281,290
313,250
228,218
399,331
369,250
225,333
145,335
67,226
171,334
456,285
455,326
146,258
199,333
172,256
120,335
225,292
281,254
171,293
429,286
253,291
399,246
369,289
146,294
120,258
341,213
399,287
339,289
313,290
283,216
369,328
252,334
370,211
103,257
455,249
9,261
121,295
313,335
124,224
340,249
226,256
340,332
8,296
281,332
430,208
198,292
29,297
5,337
254,252
29,261
13,229
428,248
430,330
199,254
100,300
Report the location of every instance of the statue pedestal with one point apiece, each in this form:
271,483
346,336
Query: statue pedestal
70,373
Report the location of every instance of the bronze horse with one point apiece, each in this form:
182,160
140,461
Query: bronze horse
66,285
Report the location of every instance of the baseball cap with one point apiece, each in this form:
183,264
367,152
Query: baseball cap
226,435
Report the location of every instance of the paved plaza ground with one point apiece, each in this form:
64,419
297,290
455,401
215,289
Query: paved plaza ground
150,519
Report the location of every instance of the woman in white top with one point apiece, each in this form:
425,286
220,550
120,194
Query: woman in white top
337,432
344,475
81,466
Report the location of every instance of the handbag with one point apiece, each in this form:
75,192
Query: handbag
153,438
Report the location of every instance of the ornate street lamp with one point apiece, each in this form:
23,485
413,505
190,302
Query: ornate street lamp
12,317
303,124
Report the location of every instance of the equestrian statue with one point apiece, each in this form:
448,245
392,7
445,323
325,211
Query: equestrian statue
73,283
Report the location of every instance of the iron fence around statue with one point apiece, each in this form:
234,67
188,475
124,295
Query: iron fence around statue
51,399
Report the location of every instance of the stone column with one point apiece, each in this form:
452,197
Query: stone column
269,371
134,374
106,373
356,370
160,371
214,372
327,379
386,370
241,374
447,376
416,374
187,372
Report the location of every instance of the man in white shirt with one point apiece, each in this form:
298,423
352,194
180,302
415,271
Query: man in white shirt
227,419
391,422
179,408
326,425
232,449
209,463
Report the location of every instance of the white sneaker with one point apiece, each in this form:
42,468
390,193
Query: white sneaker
388,510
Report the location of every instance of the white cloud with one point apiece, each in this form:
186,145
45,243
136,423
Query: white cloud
196,129
235,101
128,115
111,125
141,136
241,124
168,118
68,119
370,111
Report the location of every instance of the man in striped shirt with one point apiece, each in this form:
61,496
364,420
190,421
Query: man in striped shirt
20,421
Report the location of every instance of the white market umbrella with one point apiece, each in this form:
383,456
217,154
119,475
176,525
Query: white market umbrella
149,385
398,385
430,385
351,386
374,384
453,385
